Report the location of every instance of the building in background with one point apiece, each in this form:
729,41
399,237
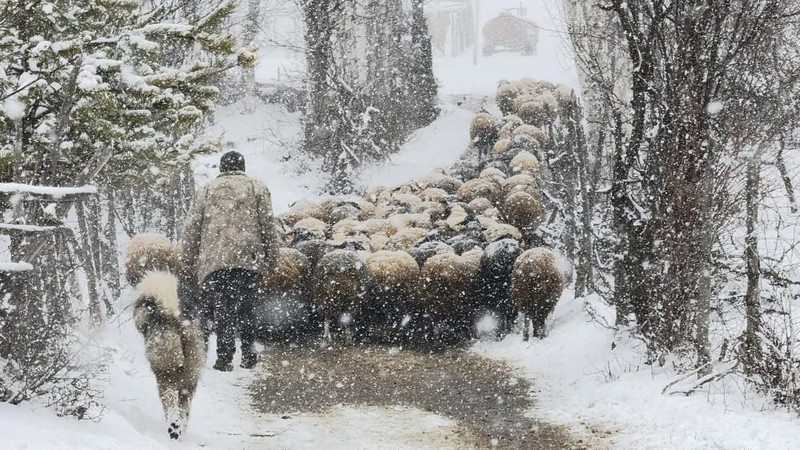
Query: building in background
510,31
451,26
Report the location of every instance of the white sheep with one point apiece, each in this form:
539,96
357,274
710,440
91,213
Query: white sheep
494,293
442,181
506,93
501,146
524,162
537,282
367,209
482,132
378,241
346,227
301,209
150,252
347,210
494,174
289,274
316,226
379,194
495,231
433,195
510,123
408,200
392,278
479,187
401,221
406,238
533,132
523,211
327,206
480,205
377,226
521,182
447,282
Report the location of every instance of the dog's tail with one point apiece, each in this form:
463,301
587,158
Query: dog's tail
158,299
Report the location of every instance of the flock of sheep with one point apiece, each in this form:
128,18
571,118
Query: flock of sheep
428,257
419,261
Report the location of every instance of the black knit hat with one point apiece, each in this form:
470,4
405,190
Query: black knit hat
231,161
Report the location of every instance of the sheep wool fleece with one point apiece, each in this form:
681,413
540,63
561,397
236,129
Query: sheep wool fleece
230,225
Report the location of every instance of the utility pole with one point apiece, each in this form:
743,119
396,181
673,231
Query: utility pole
476,41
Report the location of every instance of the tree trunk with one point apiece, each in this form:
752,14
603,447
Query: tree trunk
18,151
702,313
583,233
84,251
629,274
62,121
751,347
249,38
787,181
110,260
318,129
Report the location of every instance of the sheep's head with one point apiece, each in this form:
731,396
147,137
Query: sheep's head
302,234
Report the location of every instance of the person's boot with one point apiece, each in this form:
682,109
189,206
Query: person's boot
249,360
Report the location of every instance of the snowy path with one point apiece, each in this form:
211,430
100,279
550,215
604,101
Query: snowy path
403,398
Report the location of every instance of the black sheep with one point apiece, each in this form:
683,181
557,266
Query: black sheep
309,245
496,269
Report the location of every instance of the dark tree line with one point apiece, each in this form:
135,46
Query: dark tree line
369,81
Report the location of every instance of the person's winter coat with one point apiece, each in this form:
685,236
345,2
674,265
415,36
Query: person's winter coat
230,225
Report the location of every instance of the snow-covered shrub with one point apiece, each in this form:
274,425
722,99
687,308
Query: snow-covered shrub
44,358
119,90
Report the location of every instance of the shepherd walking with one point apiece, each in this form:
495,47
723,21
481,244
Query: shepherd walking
229,243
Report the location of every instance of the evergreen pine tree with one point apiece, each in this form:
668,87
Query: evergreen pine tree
107,88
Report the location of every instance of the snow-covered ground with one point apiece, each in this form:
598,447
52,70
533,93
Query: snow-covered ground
583,383
579,380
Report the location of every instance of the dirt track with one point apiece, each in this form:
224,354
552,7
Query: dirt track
484,397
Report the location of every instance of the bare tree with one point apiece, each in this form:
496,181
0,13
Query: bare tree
683,67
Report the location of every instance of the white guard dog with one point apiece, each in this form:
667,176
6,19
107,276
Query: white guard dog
174,346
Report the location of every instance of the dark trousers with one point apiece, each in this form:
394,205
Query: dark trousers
234,293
